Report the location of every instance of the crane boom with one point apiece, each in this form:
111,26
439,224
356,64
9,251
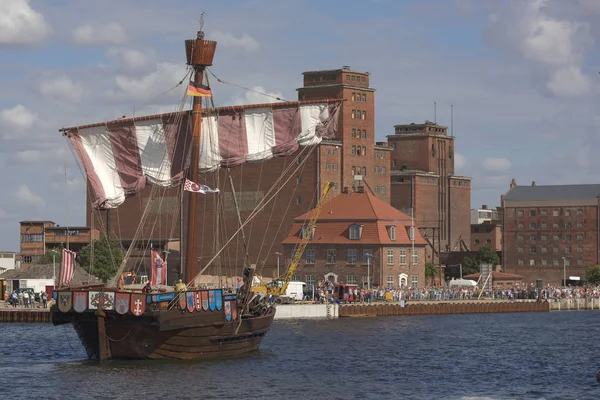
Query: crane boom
306,234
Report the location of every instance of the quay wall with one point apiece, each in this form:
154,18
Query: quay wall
299,311
574,304
441,307
24,316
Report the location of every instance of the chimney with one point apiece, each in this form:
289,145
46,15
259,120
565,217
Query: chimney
513,183
484,207
532,183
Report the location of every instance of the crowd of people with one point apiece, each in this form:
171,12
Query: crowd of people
26,299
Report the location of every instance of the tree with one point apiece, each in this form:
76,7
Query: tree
430,272
592,274
485,255
53,255
106,258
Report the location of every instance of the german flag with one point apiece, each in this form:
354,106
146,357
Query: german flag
198,89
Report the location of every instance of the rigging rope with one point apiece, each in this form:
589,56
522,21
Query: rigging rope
245,88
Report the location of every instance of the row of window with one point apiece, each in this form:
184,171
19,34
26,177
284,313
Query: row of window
355,78
555,225
332,167
379,155
555,236
359,97
310,256
380,189
32,237
544,249
555,262
30,259
330,151
391,254
317,78
359,114
488,241
311,281
359,171
70,232
556,212
358,133
359,151
460,183
380,170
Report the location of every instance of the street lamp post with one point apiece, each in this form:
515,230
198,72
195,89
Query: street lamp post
368,271
277,254
564,272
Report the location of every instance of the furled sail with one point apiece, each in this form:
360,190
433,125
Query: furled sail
121,157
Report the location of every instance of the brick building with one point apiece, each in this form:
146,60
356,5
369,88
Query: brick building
550,231
39,236
486,234
348,160
358,235
423,182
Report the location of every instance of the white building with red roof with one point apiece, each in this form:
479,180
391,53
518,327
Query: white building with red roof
358,235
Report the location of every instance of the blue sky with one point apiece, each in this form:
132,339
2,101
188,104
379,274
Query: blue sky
522,75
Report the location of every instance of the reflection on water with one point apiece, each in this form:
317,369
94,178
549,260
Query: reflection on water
496,356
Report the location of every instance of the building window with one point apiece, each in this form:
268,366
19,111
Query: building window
364,96
351,279
531,262
544,249
520,261
364,115
519,213
298,180
532,249
556,237
544,261
307,232
353,114
532,225
364,171
327,166
519,249
555,212
353,96
544,237
580,224
376,169
567,213
580,249
520,225
383,170
555,226
568,237
567,249
415,281
334,167
299,161
567,262
390,256
567,225
580,261
353,150
331,256
353,132
532,213
392,233
390,282
415,256
580,236
555,249
299,200
532,237
579,212
476,241
351,256
555,262
354,232
34,237
310,256
335,151
367,256
544,226
544,213
364,134
310,281
402,257
519,237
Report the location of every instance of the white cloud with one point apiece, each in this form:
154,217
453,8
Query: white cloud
569,82
28,156
21,24
2,213
226,39
62,88
25,195
18,117
132,59
147,87
258,95
496,166
112,33
460,162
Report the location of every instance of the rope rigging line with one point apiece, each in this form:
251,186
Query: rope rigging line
245,88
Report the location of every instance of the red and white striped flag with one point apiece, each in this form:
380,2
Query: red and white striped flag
67,268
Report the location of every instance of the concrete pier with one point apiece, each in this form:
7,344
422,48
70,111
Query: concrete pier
302,311
574,304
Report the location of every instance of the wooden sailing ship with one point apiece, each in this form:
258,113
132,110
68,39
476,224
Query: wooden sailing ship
120,158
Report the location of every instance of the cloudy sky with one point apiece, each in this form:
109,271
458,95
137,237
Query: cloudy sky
522,75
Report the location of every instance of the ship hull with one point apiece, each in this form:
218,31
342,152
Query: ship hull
166,334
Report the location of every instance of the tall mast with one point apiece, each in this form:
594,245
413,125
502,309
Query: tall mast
200,55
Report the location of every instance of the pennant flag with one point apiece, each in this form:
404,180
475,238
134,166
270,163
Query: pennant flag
198,89
67,267
159,273
194,187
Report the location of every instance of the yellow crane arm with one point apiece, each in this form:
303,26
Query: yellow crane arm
306,236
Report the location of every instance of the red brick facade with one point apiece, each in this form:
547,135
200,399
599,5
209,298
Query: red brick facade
546,238
423,179
486,234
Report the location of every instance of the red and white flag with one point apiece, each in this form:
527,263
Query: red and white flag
67,267
194,187
159,273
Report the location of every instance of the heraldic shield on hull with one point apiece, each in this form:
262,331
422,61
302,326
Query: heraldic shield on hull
219,299
228,310
211,300
80,300
204,296
191,297
138,304
65,300
122,303
198,302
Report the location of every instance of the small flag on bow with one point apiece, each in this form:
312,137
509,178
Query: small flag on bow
194,187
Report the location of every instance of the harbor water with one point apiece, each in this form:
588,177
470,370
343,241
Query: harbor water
473,356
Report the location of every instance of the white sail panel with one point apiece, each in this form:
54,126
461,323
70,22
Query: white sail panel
311,115
260,134
98,146
154,154
210,156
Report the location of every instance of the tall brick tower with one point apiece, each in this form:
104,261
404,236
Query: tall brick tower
423,182
360,155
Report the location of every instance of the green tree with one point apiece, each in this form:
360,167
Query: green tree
485,255
106,258
52,256
430,272
592,274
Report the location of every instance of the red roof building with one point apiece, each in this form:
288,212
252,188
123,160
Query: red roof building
358,235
